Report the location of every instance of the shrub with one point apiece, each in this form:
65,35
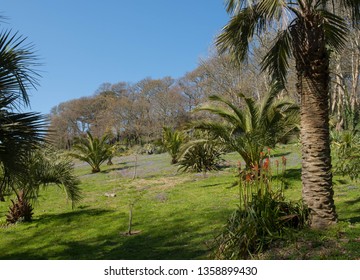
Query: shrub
347,150
262,216
250,231
200,156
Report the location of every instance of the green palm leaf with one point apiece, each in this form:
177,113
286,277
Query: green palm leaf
92,150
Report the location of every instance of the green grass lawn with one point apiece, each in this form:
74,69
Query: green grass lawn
176,216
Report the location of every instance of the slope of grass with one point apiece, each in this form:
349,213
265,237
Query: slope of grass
176,216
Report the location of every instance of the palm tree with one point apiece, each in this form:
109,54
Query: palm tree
307,30
250,129
19,132
95,151
45,167
172,140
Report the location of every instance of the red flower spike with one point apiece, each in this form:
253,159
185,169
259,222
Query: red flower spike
266,164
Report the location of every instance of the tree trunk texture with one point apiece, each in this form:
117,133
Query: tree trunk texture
312,65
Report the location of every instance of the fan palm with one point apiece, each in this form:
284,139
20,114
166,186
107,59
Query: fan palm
43,168
94,151
307,31
250,129
19,132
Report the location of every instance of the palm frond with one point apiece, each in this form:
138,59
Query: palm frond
46,167
19,134
335,29
276,60
17,61
237,34
237,113
262,123
272,9
92,150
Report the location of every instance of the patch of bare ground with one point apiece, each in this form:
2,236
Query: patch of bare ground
304,250
159,184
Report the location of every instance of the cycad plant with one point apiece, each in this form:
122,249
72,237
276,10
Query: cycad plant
249,129
94,151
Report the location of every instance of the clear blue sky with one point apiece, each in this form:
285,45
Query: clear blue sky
84,43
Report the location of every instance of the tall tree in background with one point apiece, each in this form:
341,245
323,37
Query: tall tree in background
307,30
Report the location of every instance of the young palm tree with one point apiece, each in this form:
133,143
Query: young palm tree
43,168
172,141
94,151
307,30
250,129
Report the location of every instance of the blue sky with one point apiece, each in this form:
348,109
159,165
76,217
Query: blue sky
84,43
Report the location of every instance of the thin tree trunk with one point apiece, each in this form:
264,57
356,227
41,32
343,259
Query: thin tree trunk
338,98
131,206
355,61
135,167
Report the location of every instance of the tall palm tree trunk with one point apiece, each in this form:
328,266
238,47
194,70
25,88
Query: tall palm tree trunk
312,64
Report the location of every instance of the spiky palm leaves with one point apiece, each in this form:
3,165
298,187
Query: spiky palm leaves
17,61
249,129
200,155
19,132
24,168
296,21
43,168
172,141
92,150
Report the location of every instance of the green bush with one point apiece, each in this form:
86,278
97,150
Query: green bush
200,156
250,231
346,146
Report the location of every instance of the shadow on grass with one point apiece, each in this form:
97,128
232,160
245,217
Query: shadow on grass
281,154
174,239
293,174
111,169
58,219
353,201
354,220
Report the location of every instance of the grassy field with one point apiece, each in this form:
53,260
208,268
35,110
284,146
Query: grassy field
175,216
